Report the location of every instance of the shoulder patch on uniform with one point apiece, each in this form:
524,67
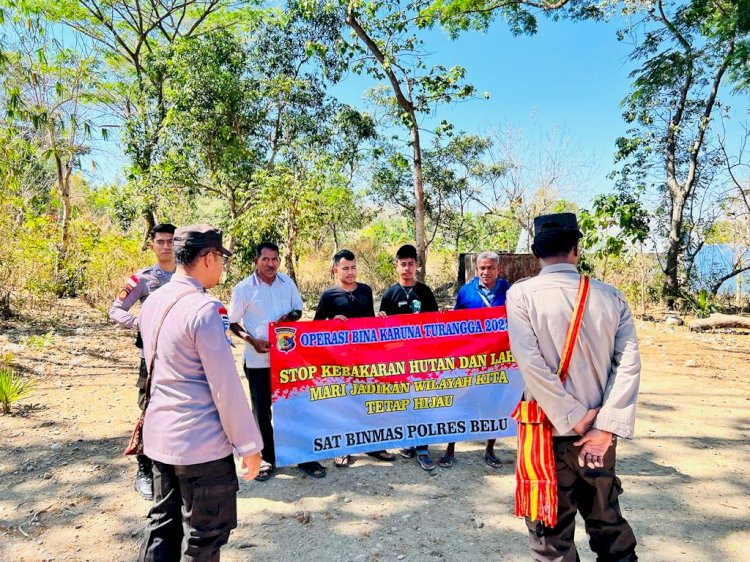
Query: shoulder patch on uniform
131,284
224,320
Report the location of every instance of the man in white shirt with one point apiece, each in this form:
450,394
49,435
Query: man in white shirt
265,296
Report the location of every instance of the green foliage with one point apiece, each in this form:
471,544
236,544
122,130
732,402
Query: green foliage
457,16
458,172
13,388
687,54
36,342
616,223
6,359
704,304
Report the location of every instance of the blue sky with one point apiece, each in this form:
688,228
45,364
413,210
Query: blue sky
570,76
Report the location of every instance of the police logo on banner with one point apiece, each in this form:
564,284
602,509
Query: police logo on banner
285,339
225,320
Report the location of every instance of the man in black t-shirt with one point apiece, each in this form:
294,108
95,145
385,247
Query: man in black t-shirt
348,299
409,296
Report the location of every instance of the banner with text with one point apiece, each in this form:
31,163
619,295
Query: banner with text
367,384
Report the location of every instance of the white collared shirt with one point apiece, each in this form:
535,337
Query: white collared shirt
256,304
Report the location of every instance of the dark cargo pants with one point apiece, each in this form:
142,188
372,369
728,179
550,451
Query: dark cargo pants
143,460
592,492
194,510
259,381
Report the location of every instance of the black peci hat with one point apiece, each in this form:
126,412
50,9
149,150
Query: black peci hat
557,223
199,236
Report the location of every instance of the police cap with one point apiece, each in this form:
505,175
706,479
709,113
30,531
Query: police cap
555,224
199,236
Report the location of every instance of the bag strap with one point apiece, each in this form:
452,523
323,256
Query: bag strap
575,326
150,369
484,297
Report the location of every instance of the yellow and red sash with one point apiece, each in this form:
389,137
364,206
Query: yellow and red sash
536,480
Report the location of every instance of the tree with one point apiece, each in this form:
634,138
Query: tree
687,52
239,111
616,223
385,45
50,88
296,202
541,173
457,173
131,31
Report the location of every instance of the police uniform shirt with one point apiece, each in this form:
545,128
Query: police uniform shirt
398,299
338,301
605,366
198,411
256,304
476,295
138,286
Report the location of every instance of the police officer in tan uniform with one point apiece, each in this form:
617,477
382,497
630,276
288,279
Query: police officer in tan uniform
596,403
137,287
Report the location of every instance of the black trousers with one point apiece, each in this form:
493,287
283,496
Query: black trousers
194,510
593,493
259,381
143,460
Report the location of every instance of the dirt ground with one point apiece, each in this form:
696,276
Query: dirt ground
66,489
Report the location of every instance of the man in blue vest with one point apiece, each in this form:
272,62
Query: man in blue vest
487,289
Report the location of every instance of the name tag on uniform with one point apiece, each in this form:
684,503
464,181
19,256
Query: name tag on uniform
403,303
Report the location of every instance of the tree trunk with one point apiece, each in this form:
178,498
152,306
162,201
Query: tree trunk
671,286
290,251
149,213
407,105
418,201
63,184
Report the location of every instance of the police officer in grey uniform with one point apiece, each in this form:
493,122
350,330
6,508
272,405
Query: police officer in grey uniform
197,414
596,403
139,286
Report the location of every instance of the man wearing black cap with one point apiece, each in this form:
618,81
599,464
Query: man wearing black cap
137,287
586,388
196,411
409,296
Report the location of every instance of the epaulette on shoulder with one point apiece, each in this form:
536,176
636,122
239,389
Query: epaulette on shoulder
521,280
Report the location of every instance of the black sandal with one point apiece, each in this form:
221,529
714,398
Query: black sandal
342,462
425,462
264,473
314,469
407,453
492,460
382,456
446,461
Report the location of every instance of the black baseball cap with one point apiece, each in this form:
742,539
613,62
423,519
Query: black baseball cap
199,236
556,223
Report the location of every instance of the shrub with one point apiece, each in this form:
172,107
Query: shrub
13,388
